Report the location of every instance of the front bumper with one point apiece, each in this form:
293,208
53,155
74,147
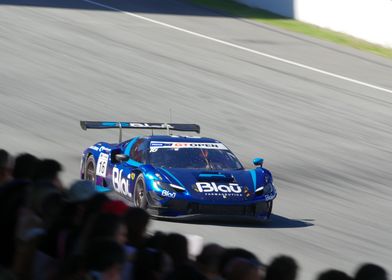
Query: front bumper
185,210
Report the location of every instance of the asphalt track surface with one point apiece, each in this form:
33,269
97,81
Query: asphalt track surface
326,140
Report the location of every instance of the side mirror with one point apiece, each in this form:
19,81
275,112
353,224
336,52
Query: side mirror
258,162
121,157
117,156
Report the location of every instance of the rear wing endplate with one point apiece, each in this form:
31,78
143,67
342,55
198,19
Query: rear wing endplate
139,125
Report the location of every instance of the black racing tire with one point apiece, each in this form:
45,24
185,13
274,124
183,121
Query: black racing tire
90,170
270,210
139,193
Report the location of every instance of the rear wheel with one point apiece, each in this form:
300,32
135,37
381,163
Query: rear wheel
139,193
89,174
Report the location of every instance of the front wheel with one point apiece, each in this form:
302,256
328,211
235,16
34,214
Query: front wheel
270,209
139,193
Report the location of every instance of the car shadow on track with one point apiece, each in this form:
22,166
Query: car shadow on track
276,221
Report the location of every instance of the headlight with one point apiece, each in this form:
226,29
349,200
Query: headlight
167,186
266,189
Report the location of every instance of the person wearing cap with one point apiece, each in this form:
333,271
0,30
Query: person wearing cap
67,232
80,191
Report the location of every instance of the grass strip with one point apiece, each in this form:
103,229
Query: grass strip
239,10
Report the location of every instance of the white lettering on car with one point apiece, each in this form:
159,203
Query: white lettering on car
232,189
104,149
186,145
168,194
269,197
146,125
95,148
121,184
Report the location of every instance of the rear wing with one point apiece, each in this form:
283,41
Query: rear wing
139,125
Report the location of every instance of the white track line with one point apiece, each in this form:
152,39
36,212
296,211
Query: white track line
242,48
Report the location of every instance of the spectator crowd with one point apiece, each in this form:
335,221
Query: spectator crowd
50,232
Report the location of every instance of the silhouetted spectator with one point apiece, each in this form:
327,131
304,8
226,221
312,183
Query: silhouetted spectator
63,235
176,246
107,226
208,260
104,259
39,195
186,271
136,220
282,268
151,264
81,191
73,268
13,198
115,207
6,166
48,170
243,269
25,166
157,241
333,274
370,271
6,274
51,207
94,205
78,198
233,253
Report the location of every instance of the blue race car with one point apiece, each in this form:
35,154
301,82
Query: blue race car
175,176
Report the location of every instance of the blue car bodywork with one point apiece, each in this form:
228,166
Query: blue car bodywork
133,168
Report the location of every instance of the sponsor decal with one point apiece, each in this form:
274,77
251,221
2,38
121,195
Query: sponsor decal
120,183
185,136
212,189
168,194
95,148
102,164
99,149
132,176
154,145
146,125
269,197
104,149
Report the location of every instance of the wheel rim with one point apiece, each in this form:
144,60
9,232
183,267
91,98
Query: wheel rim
139,195
90,174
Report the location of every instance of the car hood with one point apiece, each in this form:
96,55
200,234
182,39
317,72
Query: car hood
235,185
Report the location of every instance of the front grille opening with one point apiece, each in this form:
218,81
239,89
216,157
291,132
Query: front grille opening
248,210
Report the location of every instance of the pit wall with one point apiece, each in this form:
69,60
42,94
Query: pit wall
370,20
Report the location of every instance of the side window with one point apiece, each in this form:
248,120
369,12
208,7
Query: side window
139,150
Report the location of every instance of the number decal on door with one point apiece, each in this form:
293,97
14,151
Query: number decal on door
102,164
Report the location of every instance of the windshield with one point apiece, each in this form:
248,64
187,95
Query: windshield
205,157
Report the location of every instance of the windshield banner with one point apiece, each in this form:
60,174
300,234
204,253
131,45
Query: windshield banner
182,145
